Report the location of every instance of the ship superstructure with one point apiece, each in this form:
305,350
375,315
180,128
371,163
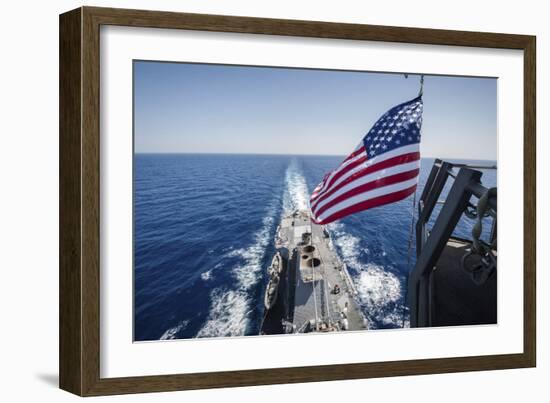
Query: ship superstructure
454,280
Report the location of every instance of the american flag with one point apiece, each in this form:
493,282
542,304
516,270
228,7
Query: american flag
382,169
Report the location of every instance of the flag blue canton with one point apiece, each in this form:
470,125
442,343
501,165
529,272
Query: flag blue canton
400,126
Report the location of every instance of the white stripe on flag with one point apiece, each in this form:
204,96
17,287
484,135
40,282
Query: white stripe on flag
335,172
368,178
367,196
412,148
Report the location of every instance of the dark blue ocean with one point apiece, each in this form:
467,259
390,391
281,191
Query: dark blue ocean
204,226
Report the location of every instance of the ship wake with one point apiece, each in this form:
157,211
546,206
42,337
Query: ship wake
296,194
172,333
230,309
379,291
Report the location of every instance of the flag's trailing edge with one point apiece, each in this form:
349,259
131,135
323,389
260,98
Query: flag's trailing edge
382,169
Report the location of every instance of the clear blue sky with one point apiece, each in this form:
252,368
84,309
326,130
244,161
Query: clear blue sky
198,108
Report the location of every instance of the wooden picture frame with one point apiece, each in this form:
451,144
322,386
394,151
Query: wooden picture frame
79,346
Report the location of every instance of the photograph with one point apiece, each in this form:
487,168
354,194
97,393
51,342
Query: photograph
272,200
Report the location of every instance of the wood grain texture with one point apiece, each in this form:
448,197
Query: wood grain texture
90,202
80,200
70,273
316,29
530,202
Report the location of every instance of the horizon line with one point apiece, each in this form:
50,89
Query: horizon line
291,154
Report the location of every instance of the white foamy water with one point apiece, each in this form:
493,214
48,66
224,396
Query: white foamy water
207,275
173,331
379,290
296,196
228,314
230,308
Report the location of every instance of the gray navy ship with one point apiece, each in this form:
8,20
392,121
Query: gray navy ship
453,281
309,288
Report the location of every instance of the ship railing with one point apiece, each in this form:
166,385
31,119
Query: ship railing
313,284
348,280
326,314
431,243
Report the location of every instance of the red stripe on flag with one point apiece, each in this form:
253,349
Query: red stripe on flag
400,159
378,183
355,153
345,169
367,204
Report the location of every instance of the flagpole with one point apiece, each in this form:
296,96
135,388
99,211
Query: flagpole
421,92
405,302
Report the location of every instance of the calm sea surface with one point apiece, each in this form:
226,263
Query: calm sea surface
204,229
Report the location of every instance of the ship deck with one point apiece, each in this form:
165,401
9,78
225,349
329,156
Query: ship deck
316,273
